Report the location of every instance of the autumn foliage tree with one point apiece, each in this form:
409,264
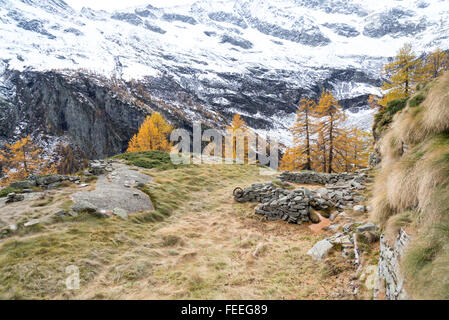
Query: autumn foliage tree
330,117
21,159
302,132
353,149
322,143
239,134
68,162
402,74
435,64
153,135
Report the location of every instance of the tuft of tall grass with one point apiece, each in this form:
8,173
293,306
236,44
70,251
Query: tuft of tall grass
412,188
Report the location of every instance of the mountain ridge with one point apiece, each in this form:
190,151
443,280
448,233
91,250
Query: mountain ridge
257,58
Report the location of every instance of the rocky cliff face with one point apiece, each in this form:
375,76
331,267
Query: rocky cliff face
96,115
88,114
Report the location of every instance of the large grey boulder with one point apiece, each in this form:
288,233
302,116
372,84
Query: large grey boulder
366,227
84,206
320,250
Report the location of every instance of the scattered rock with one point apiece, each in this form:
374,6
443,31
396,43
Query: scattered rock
314,217
84,206
121,213
320,250
31,223
359,208
13,228
332,227
46,181
358,199
366,227
60,213
103,213
259,249
369,276
14,197
371,237
347,227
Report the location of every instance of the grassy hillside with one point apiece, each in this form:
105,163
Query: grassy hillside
412,188
198,243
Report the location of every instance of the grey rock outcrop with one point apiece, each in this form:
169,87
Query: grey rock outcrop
87,113
46,181
99,167
320,250
84,206
390,279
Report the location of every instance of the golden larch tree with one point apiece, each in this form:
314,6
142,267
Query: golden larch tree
436,63
153,135
302,131
402,74
353,149
330,117
319,153
21,159
238,131
291,161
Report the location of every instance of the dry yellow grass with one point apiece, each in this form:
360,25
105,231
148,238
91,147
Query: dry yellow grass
207,247
415,178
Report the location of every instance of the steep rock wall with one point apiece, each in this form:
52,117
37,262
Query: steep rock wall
390,281
90,115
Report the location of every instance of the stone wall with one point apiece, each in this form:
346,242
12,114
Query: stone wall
295,206
390,281
311,177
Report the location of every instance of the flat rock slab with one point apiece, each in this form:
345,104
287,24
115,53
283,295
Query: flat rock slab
114,190
320,249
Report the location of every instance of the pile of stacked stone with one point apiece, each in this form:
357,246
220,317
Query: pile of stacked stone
295,206
342,197
99,167
14,197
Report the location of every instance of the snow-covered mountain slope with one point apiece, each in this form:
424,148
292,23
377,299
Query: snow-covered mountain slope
255,57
